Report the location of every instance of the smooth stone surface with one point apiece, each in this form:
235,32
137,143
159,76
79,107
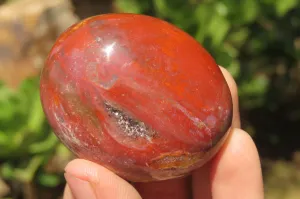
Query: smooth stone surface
136,95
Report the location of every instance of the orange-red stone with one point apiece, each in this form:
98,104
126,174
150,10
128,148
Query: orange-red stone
136,95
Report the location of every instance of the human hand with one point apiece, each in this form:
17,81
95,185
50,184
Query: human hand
234,173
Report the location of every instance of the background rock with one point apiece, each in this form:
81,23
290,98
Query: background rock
4,189
28,30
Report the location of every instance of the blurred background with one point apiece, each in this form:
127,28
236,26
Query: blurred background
258,41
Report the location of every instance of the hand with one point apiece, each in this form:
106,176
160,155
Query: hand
234,173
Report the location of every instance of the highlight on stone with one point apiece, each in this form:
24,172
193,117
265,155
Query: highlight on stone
137,95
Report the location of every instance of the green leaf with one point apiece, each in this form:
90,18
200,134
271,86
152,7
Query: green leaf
6,104
283,6
250,10
255,86
222,57
131,6
27,174
44,146
252,91
218,29
4,139
5,93
49,180
161,8
268,2
221,8
203,16
7,170
36,116
13,144
234,68
239,37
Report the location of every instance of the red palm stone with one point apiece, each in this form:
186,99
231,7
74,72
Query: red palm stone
137,95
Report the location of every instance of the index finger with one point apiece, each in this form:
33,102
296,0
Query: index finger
235,171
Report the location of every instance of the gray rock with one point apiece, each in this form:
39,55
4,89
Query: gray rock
4,189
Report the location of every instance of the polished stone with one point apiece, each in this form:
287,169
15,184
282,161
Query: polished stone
136,95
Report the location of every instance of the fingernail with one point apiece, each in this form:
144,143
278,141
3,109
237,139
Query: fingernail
80,189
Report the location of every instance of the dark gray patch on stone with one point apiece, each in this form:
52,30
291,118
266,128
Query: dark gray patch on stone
130,126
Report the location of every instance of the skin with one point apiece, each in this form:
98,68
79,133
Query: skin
234,173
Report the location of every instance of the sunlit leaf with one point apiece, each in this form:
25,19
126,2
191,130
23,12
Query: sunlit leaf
27,174
7,170
131,6
203,16
239,36
218,29
282,7
249,10
161,8
49,180
44,146
36,116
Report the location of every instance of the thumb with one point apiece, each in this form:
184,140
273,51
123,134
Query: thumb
86,179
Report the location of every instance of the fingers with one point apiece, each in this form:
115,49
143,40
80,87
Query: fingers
68,193
201,183
201,177
236,171
236,122
170,189
89,180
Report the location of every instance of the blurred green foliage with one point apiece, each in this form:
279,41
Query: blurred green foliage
283,180
258,41
26,140
243,36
